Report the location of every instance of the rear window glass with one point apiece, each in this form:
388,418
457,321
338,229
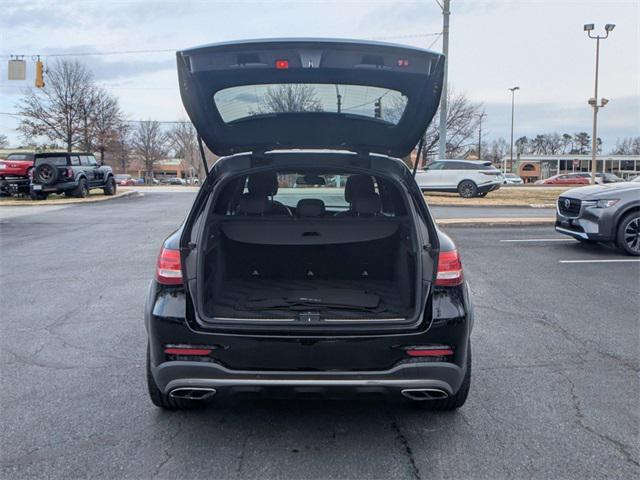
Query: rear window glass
20,156
60,161
248,101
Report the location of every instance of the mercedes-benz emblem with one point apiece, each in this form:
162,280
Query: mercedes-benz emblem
567,203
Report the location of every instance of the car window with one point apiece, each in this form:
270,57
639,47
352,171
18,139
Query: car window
59,161
20,156
247,101
92,160
484,167
84,160
75,160
454,166
435,166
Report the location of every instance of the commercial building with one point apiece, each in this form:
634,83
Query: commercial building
539,167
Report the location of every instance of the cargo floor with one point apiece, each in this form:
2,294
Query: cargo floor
230,300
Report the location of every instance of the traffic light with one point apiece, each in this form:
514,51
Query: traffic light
39,76
377,108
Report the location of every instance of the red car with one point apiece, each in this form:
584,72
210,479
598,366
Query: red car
125,180
14,173
566,179
16,165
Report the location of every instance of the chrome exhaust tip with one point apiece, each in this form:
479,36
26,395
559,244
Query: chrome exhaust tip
192,393
424,393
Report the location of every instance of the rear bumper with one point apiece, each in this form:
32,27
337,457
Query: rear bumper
183,374
486,188
57,187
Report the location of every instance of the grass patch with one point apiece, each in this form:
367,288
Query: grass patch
55,199
517,196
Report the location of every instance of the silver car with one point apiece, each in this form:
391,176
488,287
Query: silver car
602,213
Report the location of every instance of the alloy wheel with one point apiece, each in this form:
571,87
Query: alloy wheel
632,234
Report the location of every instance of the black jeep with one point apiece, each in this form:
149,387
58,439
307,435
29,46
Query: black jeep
73,174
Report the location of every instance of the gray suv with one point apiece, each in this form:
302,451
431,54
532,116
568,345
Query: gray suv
71,173
602,213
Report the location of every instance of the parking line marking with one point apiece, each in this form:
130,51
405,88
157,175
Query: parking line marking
539,240
611,260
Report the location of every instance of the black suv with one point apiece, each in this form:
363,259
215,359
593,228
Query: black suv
309,263
73,174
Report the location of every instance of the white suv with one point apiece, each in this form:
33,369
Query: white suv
468,178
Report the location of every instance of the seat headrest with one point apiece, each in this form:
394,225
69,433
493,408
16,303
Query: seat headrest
310,207
251,204
265,183
358,185
367,205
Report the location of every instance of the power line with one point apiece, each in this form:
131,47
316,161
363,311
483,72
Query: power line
434,41
173,50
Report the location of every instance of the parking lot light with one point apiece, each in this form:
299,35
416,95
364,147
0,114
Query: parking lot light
594,100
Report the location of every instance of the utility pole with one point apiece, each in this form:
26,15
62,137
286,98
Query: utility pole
513,94
442,137
594,101
482,115
339,99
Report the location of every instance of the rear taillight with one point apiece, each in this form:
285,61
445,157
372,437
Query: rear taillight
168,270
449,269
70,172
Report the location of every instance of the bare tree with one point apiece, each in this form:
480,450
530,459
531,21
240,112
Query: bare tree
4,141
538,145
290,98
581,141
119,146
55,111
522,145
627,146
567,143
462,125
183,140
497,150
150,143
105,118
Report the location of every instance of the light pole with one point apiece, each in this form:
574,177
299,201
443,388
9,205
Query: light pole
594,100
481,116
513,95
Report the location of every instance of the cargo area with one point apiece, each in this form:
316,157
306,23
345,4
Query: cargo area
253,274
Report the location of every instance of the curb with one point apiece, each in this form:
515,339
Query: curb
496,222
70,201
506,205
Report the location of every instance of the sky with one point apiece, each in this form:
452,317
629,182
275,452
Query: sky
538,45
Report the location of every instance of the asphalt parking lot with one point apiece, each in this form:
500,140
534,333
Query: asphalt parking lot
554,391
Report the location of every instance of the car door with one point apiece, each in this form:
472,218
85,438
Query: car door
255,96
452,174
431,176
98,172
86,168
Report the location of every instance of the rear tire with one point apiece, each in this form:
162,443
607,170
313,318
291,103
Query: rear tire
82,190
467,189
110,187
454,401
628,234
164,401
